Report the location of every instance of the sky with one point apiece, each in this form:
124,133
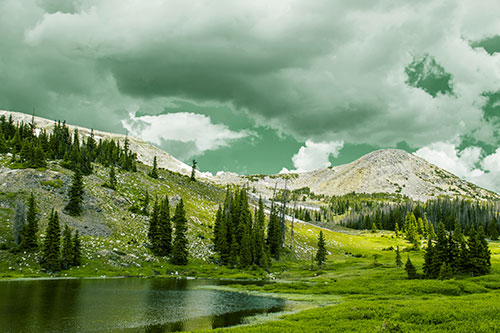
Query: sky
266,86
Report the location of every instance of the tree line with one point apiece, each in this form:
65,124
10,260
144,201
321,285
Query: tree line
31,147
467,213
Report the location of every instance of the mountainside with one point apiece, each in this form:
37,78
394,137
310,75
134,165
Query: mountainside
386,170
145,151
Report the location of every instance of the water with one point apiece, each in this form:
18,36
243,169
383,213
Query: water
124,305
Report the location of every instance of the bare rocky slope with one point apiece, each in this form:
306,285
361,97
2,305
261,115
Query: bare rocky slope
381,171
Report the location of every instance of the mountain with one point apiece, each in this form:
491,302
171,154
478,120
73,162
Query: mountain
381,171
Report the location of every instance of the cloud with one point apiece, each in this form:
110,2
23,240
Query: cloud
315,155
469,164
183,134
325,71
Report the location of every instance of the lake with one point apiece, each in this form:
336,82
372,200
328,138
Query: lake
125,305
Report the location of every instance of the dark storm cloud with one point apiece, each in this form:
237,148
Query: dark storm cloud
327,70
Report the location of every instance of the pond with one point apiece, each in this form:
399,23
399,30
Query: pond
125,305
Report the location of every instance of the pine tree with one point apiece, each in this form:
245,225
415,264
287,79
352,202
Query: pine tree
493,230
112,178
374,227
30,228
429,266
153,227
321,252
258,239
179,250
77,252
396,230
431,234
446,272
440,250
154,171
164,229
51,245
74,206
193,170
410,269
399,262
67,254
274,235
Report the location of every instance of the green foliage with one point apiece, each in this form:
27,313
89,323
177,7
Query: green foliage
67,254
74,206
112,182
399,262
77,251
410,269
179,249
452,253
154,171
160,229
238,238
193,169
51,246
55,183
321,253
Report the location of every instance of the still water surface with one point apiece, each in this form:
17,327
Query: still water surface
124,305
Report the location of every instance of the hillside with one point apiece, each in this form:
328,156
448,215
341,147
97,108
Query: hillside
145,151
381,171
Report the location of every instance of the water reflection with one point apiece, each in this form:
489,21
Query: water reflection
128,305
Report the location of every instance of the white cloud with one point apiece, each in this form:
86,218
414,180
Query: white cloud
315,155
187,133
467,164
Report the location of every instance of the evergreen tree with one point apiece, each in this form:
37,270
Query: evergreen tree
179,250
153,227
396,230
112,178
258,236
30,228
274,235
67,249
74,206
51,245
494,229
399,262
193,170
154,171
164,229
440,250
429,265
321,252
410,269
77,252
480,255
217,229
374,227
446,272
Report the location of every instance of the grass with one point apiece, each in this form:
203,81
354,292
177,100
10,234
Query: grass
359,288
